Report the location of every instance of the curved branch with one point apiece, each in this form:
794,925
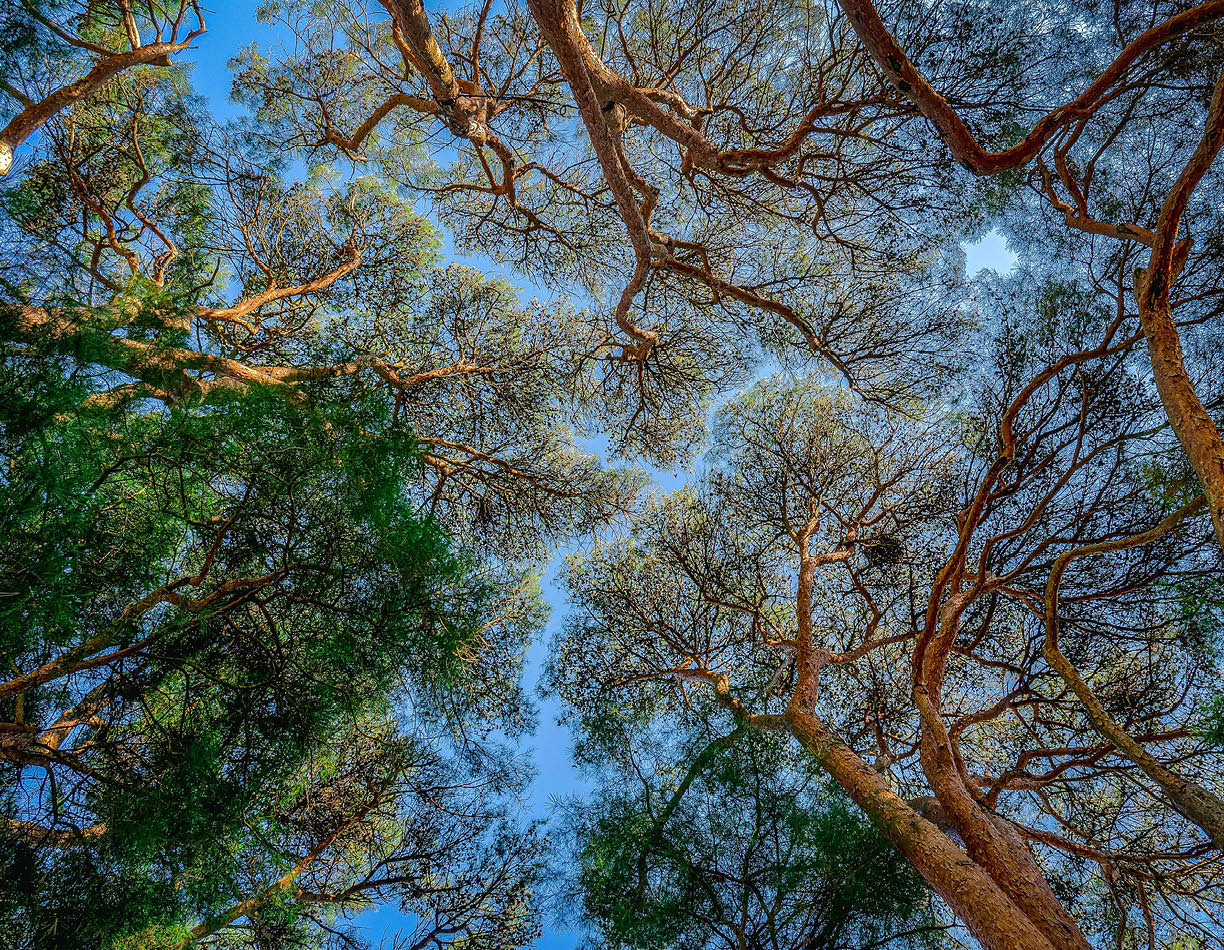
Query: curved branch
966,149
38,836
991,915
36,114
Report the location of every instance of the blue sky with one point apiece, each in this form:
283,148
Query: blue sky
234,26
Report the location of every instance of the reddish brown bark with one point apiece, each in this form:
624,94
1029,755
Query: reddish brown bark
463,105
634,199
1195,428
989,913
1025,902
1192,800
903,74
991,841
1189,419
35,115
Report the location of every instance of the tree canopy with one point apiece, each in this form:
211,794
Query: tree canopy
924,653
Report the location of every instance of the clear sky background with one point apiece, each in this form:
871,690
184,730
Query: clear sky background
233,26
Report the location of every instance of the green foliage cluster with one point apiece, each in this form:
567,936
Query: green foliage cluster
297,591
757,846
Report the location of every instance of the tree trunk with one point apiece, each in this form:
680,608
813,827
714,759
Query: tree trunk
992,917
1190,420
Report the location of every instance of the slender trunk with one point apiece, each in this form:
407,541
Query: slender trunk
991,841
461,103
1192,801
282,885
1195,429
1190,420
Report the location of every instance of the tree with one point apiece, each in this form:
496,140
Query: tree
267,556
785,594
209,616
1187,415
771,181
51,41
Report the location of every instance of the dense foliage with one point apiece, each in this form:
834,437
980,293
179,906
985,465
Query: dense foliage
226,598
750,844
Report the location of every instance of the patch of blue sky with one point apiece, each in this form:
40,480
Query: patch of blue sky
990,252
